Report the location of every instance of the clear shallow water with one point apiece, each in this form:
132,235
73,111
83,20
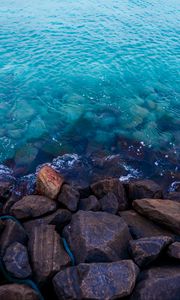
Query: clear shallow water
77,76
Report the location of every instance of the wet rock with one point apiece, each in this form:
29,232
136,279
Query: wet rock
69,197
48,182
103,187
109,203
174,196
29,225
97,237
165,212
158,283
141,227
90,203
144,189
13,232
5,189
174,250
16,261
146,250
33,206
46,252
17,292
96,281
61,219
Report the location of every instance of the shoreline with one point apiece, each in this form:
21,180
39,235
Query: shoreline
63,241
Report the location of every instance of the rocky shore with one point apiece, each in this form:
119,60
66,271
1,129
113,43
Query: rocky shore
109,240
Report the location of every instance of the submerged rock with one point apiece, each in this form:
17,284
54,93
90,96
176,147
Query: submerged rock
16,261
69,197
49,182
103,187
16,291
165,212
46,252
158,283
97,237
146,250
96,281
33,206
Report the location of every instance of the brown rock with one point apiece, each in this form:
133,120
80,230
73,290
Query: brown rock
141,227
174,250
144,189
90,203
97,237
97,281
109,203
33,206
13,232
69,197
47,252
145,250
103,187
165,212
48,182
17,292
158,283
16,261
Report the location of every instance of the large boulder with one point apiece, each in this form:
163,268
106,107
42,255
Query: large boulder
46,252
165,212
16,291
144,189
103,187
33,206
13,232
174,250
97,237
48,182
141,227
145,250
16,261
69,197
96,281
90,203
158,283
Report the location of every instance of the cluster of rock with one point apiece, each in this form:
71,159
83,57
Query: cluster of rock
107,241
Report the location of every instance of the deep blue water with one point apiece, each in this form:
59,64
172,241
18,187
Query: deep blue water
78,76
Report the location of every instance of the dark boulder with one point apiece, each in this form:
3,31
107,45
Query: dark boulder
109,203
144,189
5,189
33,206
16,291
113,185
13,232
145,250
48,182
97,281
69,197
61,219
97,237
16,261
90,203
165,212
174,250
174,196
46,252
158,283
141,227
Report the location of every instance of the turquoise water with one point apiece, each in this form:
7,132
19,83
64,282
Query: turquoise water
79,75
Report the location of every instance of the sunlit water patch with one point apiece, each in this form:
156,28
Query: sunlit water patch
77,76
